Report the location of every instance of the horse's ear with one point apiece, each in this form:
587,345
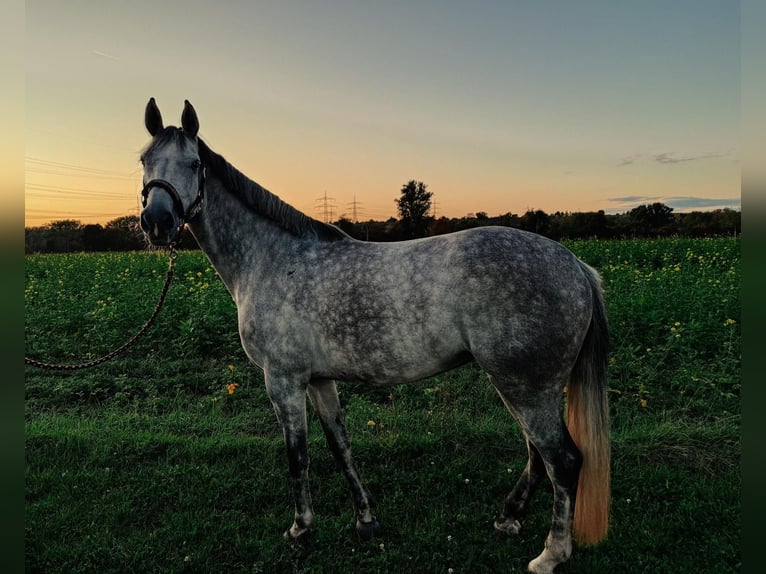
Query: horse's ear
189,120
153,118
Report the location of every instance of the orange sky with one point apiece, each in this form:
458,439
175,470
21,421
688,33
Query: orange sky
510,106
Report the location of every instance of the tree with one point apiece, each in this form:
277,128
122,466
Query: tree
345,224
414,205
580,224
126,223
652,219
92,237
536,221
64,235
65,225
124,233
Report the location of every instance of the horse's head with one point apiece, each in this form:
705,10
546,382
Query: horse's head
174,177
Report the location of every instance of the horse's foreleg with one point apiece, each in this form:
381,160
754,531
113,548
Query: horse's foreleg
516,502
289,399
324,397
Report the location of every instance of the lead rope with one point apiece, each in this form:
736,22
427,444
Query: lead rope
127,345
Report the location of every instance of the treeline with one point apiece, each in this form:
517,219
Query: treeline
651,220
69,235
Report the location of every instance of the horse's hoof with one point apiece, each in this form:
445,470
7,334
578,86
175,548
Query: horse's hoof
296,534
545,563
368,530
507,525
538,569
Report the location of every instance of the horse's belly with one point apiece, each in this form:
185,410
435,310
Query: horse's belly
392,359
391,374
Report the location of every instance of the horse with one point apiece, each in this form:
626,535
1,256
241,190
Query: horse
315,306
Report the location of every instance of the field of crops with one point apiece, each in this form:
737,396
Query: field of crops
169,458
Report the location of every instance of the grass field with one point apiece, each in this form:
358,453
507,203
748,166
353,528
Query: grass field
169,459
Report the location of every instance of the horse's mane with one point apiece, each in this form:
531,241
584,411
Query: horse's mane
249,193
263,202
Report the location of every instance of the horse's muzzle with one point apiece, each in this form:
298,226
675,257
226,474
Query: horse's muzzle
159,226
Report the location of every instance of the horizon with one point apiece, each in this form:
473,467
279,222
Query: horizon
470,215
509,107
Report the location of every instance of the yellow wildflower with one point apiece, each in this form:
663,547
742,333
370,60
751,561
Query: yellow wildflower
231,387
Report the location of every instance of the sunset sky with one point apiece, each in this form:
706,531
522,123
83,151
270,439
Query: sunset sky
497,106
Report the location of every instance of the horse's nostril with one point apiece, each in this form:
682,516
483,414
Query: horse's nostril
167,221
144,222
157,224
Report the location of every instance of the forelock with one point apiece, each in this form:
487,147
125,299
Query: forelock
170,135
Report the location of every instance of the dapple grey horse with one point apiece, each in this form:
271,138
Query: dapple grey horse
315,306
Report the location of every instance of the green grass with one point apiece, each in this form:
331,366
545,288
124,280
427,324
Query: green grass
148,464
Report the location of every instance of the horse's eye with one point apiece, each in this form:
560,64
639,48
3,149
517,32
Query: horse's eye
195,164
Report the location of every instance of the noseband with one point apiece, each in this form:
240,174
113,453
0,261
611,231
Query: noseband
178,207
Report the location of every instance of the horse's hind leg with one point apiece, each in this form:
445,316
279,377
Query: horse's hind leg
516,501
542,423
324,397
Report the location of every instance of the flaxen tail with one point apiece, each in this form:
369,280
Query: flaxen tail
588,422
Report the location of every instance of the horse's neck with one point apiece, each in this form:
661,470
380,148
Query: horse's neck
237,241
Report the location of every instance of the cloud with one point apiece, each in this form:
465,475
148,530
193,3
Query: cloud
104,55
629,160
669,158
633,199
679,203
686,203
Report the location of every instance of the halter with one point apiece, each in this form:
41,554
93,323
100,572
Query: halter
183,216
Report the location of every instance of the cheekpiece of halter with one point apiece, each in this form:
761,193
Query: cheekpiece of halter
183,216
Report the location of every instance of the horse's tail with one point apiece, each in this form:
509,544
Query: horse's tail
588,422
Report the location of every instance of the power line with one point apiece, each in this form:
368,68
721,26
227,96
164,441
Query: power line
74,167
84,174
325,207
59,192
355,210
47,214
36,220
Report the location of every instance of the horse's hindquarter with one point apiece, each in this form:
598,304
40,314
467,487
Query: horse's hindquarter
530,304
387,313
